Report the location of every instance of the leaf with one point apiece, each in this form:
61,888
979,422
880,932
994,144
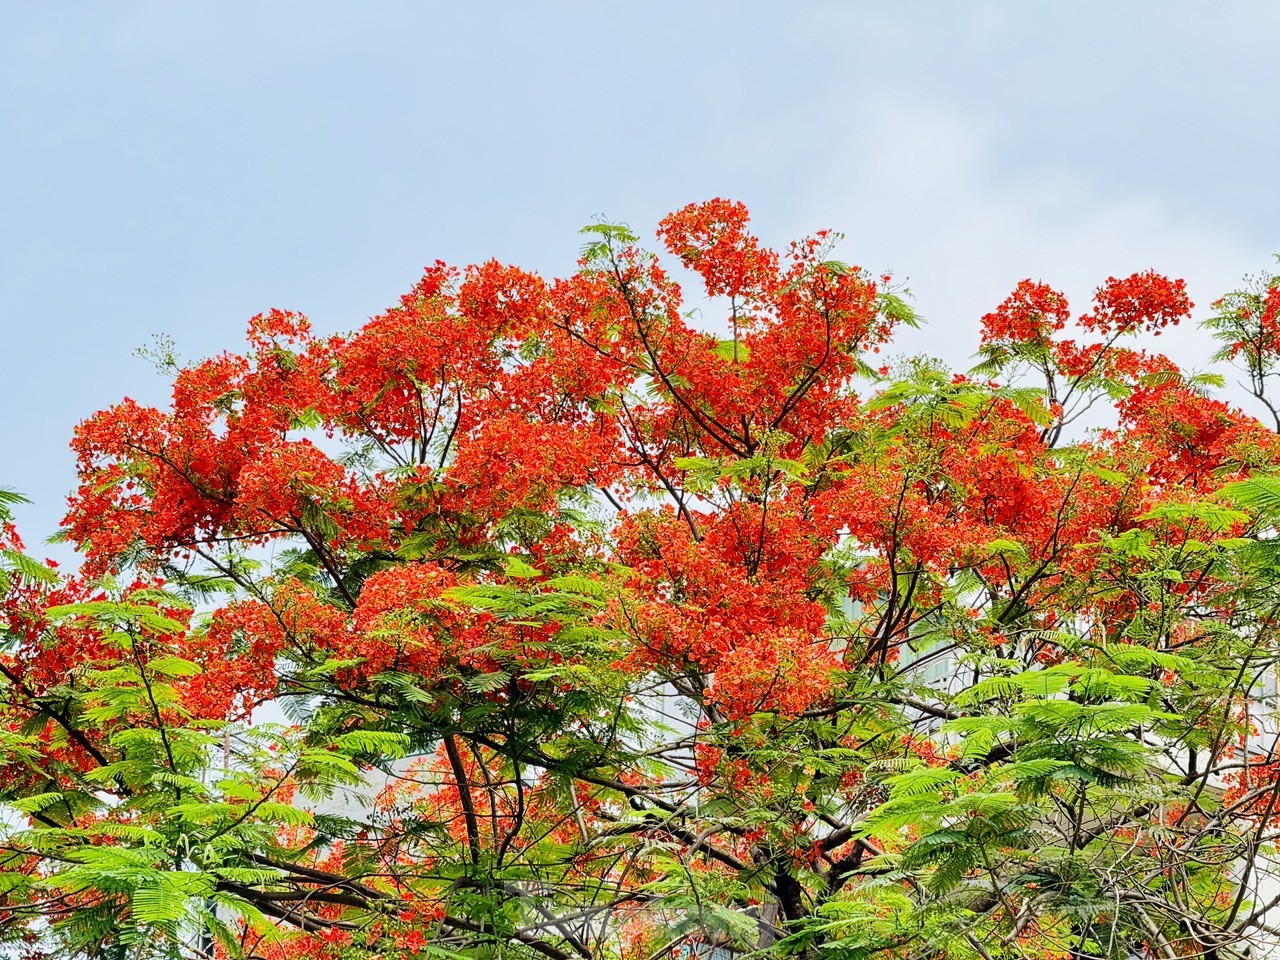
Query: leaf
30,569
488,682
11,497
284,813
584,586
520,570
919,783
989,688
382,742
37,803
171,666
733,350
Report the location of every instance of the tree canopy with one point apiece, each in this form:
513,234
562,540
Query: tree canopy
544,618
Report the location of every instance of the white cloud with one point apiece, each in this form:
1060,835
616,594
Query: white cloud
923,193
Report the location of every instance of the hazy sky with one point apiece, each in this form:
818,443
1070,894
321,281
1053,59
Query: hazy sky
175,167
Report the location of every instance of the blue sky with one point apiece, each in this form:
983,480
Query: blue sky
177,167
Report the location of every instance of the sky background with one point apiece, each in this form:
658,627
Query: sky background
174,168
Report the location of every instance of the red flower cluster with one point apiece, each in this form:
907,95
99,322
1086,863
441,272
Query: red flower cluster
1033,312
1141,302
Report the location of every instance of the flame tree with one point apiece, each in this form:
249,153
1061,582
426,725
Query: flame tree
531,620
